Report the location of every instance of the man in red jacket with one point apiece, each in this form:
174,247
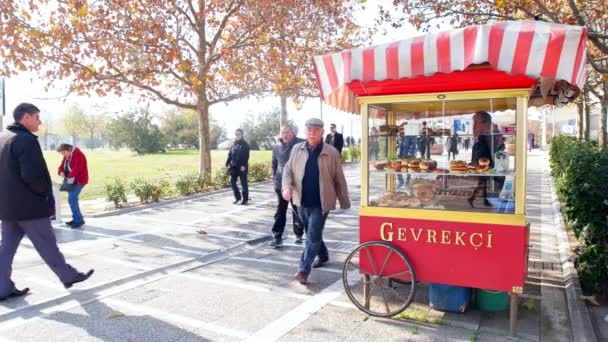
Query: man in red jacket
74,168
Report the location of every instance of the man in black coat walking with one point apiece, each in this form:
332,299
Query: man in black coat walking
238,166
335,139
280,156
26,202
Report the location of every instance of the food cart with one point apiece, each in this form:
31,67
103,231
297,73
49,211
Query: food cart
424,217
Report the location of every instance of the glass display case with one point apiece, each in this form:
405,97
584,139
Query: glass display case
444,154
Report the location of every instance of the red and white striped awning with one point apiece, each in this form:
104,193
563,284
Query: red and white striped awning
553,54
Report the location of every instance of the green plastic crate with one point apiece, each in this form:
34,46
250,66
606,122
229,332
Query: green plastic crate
486,300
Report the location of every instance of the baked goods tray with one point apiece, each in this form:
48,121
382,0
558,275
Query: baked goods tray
488,174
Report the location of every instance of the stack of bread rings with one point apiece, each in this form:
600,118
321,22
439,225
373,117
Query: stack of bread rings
484,165
471,168
397,199
425,190
413,166
427,165
394,166
458,167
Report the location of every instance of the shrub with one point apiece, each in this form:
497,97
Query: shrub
159,190
344,156
203,183
590,262
259,171
580,170
186,185
148,191
220,179
116,192
355,153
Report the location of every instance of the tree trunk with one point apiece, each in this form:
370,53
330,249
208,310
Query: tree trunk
283,110
202,108
587,123
579,122
92,142
604,117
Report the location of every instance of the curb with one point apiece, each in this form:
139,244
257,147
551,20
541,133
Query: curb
580,318
167,202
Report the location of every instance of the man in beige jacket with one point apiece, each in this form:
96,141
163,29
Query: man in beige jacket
313,178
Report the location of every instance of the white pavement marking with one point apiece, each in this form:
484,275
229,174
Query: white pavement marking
295,317
283,263
290,244
183,250
181,266
136,266
86,232
226,237
166,316
241,285
229,212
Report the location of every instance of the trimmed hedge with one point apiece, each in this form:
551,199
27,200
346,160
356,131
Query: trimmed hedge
580,171
153,191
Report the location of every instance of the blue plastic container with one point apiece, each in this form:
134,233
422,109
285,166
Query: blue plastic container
449,298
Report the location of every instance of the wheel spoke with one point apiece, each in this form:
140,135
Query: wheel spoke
359,284
399,274
369,293
371,260
388,310
388,256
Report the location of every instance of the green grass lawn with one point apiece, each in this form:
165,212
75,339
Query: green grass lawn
105,165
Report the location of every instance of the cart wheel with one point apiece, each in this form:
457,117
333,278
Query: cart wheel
379,279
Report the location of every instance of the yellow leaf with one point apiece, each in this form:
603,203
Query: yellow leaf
115,314
83,11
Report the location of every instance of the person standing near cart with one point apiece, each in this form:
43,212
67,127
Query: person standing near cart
238,167
406,149
335,139
74,169
314,179
453,146
280,156
425,141
482,148
26,202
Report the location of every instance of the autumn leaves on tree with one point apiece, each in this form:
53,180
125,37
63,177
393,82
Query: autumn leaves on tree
191,54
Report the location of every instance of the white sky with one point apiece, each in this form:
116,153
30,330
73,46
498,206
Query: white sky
27,87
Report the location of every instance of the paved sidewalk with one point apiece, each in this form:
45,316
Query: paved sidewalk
158,280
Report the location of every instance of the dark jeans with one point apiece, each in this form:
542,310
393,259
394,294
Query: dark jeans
314,221
40,232
425,150
73,201
400,179
233,178
280,218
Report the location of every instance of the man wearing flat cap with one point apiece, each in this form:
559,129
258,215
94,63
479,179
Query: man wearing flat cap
313,178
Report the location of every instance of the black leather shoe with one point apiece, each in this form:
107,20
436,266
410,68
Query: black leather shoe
16,293
69,223
77,225
236,202
79,278
320,263
299,240
302,277
277,243
245,201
